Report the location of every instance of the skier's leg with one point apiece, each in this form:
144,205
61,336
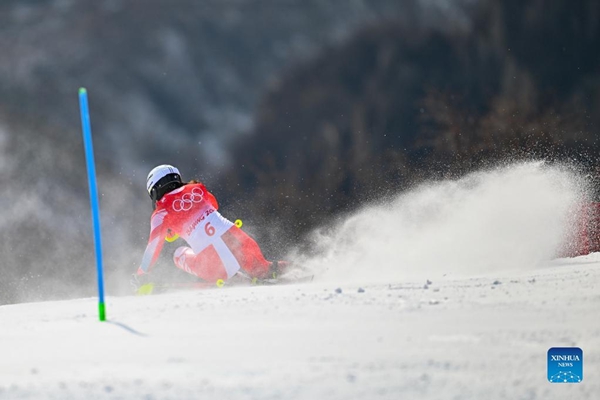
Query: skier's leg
247,252
206,265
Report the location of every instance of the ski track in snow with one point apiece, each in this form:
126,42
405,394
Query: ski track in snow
472,338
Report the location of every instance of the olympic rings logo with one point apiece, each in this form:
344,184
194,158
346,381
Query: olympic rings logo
186,201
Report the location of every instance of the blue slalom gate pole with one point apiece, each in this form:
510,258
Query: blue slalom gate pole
91,171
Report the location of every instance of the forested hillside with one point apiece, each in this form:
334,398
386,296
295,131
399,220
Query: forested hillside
400,102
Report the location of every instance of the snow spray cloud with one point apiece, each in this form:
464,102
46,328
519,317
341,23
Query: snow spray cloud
512,217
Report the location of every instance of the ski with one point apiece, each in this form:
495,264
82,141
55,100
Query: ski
162,287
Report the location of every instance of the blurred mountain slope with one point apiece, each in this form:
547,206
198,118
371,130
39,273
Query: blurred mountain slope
161,74
400,102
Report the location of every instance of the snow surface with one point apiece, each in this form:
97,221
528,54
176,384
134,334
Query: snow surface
450,291
474,338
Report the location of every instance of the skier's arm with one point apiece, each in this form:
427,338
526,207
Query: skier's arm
155,243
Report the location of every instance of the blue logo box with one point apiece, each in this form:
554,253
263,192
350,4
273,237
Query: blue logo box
565,365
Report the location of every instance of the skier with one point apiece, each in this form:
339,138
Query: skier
217,250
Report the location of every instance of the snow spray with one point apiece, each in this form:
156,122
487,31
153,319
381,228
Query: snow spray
91,171
511,217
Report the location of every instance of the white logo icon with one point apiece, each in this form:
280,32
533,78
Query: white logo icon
188,199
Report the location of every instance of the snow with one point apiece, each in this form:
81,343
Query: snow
450,291
472,338
513,217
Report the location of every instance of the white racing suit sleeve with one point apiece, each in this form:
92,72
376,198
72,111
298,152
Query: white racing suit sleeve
155,243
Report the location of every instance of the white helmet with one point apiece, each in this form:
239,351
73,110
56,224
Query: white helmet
161,180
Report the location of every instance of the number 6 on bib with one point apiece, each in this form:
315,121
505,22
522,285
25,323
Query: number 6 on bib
210,230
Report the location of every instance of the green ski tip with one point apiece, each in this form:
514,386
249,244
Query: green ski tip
82,90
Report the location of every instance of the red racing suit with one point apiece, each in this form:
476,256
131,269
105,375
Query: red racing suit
218,249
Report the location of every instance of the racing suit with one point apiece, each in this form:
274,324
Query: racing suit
217,248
